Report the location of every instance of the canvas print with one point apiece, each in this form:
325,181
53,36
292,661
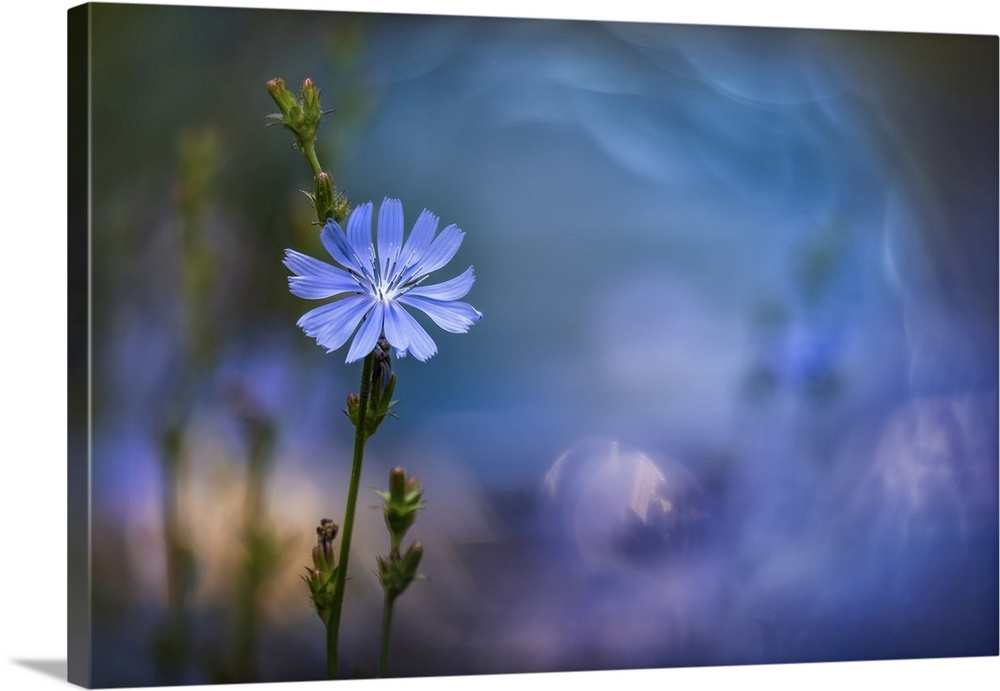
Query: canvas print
411,346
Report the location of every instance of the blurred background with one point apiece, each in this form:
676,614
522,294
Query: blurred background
733,399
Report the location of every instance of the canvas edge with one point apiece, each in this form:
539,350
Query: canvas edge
78,603
79,606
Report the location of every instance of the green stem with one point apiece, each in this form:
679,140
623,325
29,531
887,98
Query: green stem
360,437
309,151
331,650
383,657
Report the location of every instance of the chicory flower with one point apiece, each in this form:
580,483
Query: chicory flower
375,280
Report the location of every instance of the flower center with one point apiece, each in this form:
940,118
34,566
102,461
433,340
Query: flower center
392,281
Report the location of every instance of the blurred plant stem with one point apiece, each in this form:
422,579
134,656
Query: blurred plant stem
173,641
262,549
199,159
197,165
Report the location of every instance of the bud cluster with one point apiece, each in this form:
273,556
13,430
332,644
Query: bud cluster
300,115
400,506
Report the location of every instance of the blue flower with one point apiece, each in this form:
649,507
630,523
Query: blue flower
375,280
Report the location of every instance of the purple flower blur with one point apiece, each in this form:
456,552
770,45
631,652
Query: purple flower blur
378,279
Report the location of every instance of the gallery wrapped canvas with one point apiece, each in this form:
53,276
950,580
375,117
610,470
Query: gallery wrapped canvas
420,346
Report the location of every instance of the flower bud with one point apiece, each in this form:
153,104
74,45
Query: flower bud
310,100
397,484
353,403
396,571
401,504
411,559
323,196
281,95
413,486
382,371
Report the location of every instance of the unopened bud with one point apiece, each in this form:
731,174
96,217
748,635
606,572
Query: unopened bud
402,502
397,484
412,485
310,100
382,371
411,560
281,95
396,571
323,196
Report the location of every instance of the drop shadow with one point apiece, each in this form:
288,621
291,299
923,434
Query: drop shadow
50,668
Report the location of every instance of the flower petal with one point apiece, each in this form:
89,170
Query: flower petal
420,239
316,279
359,234
395,330
304,265
452,316
332,324
316,288
404,333
371,329
442,249
448,290
390,233
336,244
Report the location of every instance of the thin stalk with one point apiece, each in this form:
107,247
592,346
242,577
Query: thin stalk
310,154
331,650
360,437
383,657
